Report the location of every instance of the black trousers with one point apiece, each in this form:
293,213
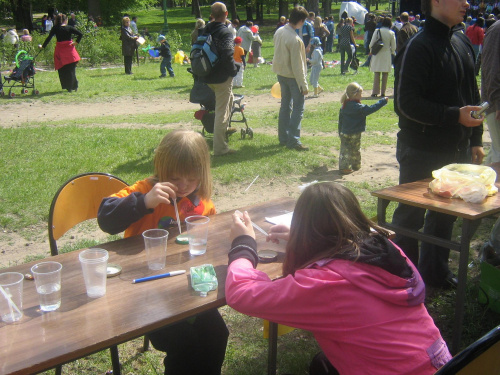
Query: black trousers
195,346
128,64
67,77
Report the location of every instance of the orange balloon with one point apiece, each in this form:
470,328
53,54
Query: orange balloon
276,90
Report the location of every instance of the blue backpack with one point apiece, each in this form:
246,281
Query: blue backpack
203,55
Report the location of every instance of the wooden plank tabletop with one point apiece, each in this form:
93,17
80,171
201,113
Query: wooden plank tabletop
418,194
82,325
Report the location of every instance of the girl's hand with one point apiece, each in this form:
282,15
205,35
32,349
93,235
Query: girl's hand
242,225
73,43
278,232
160,193
386,99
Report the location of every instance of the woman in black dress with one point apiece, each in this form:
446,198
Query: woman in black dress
65,54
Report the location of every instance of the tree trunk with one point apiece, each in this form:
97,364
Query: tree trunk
232,10
94,8
22,14
327,8
313,6
283,8
195,8
249,11
259,11
368,5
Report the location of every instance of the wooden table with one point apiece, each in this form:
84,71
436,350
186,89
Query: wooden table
82,325
418,194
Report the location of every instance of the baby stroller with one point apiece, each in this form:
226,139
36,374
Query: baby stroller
22,76
205,97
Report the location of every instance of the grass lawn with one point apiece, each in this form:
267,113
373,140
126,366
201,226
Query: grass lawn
37,157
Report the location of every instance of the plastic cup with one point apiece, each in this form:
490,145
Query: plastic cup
94,266
11,296
48,284
155,241
197,228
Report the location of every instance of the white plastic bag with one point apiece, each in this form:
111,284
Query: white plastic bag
473,183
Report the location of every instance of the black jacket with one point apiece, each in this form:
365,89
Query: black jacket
434,77
164,50
224,43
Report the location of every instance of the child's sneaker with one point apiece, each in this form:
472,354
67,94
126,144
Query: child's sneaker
163,76
172,75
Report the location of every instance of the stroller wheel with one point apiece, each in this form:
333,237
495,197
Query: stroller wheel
12,94
35,92
250,133
25,91
243,134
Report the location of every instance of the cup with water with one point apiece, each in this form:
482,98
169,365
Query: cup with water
48,284
155,241
197,229
94,267
11,296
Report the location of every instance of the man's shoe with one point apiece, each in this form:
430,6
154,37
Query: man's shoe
230,131
300,147
451,281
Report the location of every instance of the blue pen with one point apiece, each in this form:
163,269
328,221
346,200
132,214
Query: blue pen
161,276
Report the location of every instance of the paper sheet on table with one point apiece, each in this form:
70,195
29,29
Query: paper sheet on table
281,219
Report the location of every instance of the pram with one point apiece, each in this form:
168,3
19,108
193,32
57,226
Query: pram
205,97
22,76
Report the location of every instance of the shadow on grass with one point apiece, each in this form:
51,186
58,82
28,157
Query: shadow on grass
142,165
248,153
323,174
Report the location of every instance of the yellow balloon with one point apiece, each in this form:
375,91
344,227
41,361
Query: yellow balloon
276,90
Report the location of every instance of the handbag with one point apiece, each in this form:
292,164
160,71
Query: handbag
377,46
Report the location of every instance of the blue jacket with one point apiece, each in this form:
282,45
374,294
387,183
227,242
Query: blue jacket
352,118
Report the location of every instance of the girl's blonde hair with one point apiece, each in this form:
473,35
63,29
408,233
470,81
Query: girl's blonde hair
352,89
199,24
125,19
184,153
317,22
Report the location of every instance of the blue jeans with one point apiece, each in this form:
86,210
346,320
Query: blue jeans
166,64
291,112
416,165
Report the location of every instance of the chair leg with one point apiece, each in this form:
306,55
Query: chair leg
145,347
58,369
115,360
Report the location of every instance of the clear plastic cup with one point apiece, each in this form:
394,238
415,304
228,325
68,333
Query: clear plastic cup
197,229
94,266
11,296
48,284
155,241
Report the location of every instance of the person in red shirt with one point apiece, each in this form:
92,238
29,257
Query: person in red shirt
476,35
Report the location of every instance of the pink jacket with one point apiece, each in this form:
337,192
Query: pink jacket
365,319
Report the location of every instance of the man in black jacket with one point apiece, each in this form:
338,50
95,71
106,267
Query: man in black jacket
220,79
435,91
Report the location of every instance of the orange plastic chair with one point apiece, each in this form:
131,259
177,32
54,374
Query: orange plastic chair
76,201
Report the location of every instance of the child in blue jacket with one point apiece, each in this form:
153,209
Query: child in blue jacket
352,122
166,63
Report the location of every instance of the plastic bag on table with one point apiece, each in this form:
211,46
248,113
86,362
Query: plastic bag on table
473,183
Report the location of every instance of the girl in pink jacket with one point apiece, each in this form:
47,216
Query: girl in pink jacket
348,284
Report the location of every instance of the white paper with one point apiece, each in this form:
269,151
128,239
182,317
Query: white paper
285,219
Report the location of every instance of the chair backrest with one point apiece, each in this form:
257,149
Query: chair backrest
480,357
77,200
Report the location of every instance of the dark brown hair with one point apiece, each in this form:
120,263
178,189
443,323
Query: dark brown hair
327,221
298,14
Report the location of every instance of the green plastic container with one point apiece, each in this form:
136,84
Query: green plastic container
489,286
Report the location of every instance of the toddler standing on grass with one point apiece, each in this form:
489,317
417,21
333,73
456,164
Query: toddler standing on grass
166,63
316,65
239,59
352,122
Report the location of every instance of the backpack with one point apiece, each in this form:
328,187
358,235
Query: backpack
203,55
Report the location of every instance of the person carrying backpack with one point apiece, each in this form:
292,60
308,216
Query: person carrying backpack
220,79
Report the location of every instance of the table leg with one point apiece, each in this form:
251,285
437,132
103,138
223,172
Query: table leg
381,210
272,349
468,229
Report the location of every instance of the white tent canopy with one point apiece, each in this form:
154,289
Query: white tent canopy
353,9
